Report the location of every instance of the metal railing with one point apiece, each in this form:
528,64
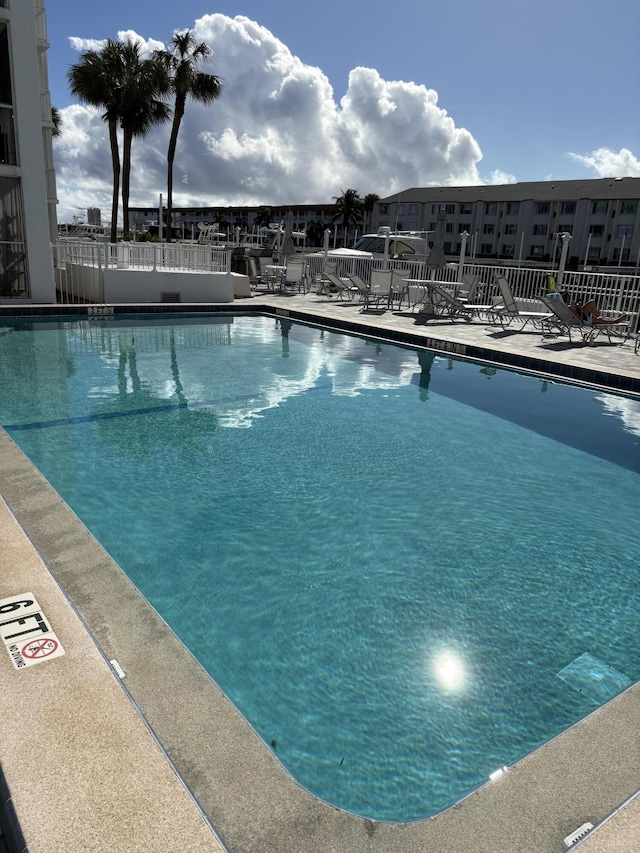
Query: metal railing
80,263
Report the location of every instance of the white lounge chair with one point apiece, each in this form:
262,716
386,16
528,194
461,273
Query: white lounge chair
335,286
358,286
439,301
562,320
510,309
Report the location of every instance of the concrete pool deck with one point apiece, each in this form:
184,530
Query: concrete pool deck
79,748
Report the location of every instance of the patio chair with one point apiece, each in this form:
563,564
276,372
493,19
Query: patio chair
564,321
295,276
398,289
512,309
379,289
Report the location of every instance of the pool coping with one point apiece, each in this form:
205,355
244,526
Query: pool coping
249,797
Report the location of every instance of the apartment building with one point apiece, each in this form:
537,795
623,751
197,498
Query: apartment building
521,222
186,219
27,177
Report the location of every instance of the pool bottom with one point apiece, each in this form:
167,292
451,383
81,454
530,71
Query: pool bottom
252,802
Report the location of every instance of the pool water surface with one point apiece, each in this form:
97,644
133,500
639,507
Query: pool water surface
385,558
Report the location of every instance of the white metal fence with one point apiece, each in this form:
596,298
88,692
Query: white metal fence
79,264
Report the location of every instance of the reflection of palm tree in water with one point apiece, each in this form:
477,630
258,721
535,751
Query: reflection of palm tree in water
425,359
285,328
163,423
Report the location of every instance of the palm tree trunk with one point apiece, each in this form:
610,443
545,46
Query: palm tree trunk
126,179
115,161
171,154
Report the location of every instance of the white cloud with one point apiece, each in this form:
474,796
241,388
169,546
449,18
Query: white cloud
277,134
610,164
499,177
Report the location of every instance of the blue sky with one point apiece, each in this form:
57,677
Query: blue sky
490,91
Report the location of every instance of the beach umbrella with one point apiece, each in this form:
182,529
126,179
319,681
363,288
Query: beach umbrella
325,245
288,247
436,259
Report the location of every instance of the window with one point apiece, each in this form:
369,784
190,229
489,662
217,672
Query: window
435,209
629,207
450,209
539,230
401,209
512,208
594,254
446,247
449,228
491,208
536,252
508,250
596,230
384,208
568,228
600,207
489,228
462,227
13,260
510,229
412,209
569,207
465,209
624,231
625,255
543,208
486,248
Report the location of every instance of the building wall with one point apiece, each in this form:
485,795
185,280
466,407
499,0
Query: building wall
33,228
523,221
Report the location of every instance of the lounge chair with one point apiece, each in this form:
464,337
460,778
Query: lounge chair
564,321
358,285
532,311
335,286
439,301
320,283
469,287
467,293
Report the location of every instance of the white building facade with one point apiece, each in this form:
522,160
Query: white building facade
522,222
27,177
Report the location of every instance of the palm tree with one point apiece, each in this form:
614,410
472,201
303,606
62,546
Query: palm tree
182,62
315,232
349,210
56,121
95,80
368,203
143,81
264,217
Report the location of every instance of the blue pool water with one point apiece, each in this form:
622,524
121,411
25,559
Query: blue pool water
384,559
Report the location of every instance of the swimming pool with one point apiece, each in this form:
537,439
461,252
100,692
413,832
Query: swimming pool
384,563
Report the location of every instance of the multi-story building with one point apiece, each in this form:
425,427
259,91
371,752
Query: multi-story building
27,177
522,222
312,217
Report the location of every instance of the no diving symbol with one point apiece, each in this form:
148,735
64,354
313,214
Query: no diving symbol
41,648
